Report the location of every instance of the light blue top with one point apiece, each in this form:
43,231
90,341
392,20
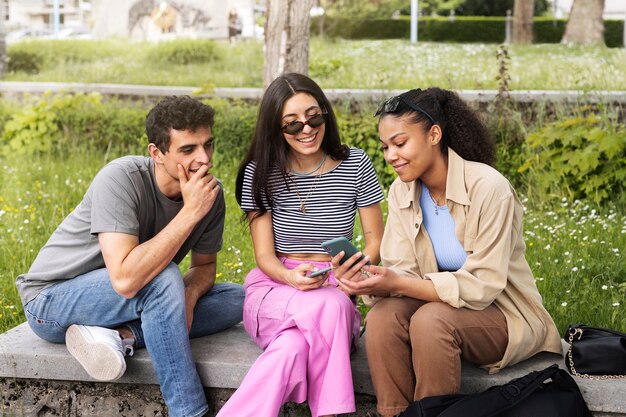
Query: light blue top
439,224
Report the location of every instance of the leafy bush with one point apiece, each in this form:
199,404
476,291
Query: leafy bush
460,29
234,126
360,129
33,55
30,62
185,51
549,30
494,7
508,130
7,110
614,33
32,130
583,156
56,123
109,126
320,68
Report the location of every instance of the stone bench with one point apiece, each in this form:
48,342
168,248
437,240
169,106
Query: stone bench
41,379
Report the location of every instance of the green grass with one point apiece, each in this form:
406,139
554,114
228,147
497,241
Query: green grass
576,250
577,254
386,64
36,194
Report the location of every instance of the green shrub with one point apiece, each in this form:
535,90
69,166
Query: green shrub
56,123
30,62
509,132
103,125
31,131
233,130
360,129
324,68
548,30
185,51
436,29
494,7
463,29
33,55
7,110
460,29
614,33
582,156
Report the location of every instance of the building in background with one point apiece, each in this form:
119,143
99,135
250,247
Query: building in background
39,14
151,19
136,19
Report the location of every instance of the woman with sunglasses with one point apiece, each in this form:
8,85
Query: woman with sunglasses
454,283
299,186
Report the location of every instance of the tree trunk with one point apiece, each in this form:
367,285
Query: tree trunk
523,13
586,24
3,44
287,32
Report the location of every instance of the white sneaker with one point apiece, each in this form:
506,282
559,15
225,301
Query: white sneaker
99,350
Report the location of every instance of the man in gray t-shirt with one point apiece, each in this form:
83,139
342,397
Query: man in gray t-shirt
107,281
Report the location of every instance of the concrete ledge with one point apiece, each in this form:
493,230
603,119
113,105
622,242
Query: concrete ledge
480,96
29,365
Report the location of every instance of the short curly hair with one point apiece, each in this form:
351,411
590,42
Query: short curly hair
176,112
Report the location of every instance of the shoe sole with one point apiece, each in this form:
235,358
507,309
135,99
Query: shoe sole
100,361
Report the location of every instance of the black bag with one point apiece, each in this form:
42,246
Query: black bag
528,396
595,353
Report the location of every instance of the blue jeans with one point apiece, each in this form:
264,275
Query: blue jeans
156,316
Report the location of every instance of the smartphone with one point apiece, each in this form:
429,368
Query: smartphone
334,246
319,272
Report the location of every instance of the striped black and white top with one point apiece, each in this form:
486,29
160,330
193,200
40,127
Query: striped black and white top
330,206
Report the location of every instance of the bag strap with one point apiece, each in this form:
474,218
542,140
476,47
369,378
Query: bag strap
577,332
583,326
501,397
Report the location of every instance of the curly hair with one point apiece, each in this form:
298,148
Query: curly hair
268,148
462,129
179,113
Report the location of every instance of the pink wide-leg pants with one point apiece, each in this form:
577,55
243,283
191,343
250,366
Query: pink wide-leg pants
307,337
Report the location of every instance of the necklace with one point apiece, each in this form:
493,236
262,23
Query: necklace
309,193
435,200
314,169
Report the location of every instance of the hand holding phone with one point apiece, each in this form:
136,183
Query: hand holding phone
334,246
319,272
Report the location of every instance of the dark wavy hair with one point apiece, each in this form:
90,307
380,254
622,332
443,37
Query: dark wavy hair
176,112
462,129
269,149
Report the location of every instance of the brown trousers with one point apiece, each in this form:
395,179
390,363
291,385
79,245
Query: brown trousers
414,348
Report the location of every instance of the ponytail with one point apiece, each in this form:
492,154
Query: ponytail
464,131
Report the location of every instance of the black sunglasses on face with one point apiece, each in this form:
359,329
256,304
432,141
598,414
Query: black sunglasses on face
295,127
391,105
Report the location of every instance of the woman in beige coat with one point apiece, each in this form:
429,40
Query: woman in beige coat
454,283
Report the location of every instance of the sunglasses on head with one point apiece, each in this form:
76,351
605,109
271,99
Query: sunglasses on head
391,105
295,127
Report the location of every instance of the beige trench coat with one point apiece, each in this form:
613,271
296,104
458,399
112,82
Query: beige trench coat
488,223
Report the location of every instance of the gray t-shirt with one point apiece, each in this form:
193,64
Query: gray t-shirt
124,198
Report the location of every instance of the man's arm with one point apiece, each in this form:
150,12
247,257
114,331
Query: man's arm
199,280
132,265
